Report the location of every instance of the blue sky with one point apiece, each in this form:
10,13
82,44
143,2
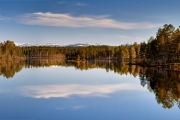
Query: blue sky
111,22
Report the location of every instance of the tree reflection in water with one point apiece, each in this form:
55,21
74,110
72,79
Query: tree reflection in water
165,84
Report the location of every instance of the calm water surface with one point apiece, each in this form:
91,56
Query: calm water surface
81,91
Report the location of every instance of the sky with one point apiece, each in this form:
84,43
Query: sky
109,22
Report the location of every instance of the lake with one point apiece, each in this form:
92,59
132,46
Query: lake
94,90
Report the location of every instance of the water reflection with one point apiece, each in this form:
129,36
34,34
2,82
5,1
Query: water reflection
165,84
9,69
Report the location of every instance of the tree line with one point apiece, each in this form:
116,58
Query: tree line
164,48
9,51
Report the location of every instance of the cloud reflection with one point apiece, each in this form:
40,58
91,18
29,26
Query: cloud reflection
65,91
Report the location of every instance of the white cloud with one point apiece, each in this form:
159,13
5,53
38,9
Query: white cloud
4,90
61,2
65,91
5,18
137,39
67,20
1,18
79,107
59,108
76,107
81,4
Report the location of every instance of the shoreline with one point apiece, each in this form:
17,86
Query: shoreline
167,65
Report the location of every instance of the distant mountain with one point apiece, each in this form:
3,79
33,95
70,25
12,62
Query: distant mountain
83,45
58,45
29,44
127,44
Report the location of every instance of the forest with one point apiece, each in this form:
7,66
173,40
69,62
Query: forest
159,50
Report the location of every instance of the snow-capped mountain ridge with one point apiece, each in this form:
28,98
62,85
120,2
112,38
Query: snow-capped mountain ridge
58,45
84,44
